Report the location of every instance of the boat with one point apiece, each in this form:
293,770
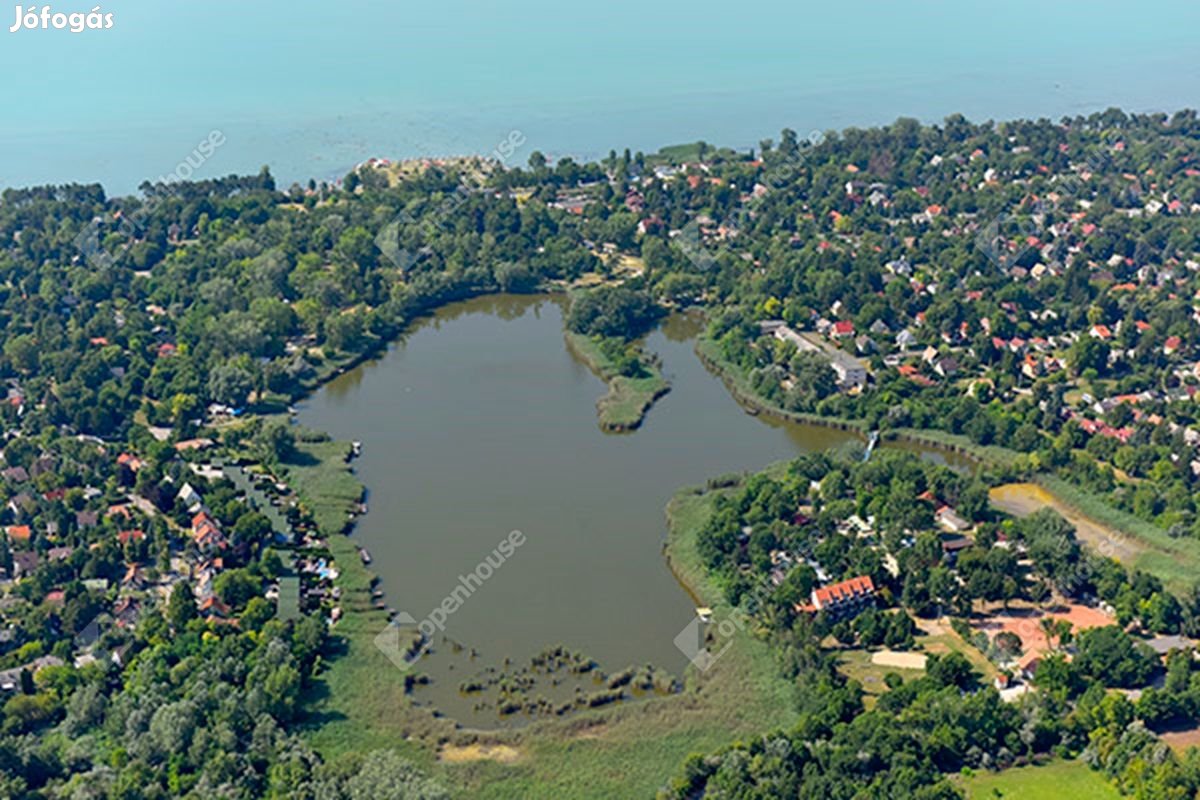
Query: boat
364,555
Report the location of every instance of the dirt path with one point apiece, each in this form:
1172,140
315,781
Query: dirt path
479,752
1022,499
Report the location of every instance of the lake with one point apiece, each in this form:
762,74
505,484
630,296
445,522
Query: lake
481,422
313,88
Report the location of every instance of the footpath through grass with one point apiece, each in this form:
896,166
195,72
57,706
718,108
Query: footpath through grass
628,398
1058,780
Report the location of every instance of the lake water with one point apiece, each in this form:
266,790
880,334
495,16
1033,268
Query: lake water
312,88
481,422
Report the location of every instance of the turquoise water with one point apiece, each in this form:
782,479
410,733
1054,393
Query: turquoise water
312,88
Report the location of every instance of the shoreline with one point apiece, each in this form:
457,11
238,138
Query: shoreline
359,661
638,395
755,405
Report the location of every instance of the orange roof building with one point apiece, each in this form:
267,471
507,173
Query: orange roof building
19,533
847,598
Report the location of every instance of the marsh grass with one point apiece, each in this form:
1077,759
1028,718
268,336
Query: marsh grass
629,398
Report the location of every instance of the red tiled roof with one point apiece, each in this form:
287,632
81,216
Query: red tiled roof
21,532
841,592
214,606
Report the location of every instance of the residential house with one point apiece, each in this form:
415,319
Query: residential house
16,474
25,562
851,372
842,329
949,520
206,533
946,366
190,498
213,608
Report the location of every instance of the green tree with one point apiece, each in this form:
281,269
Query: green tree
181,606
384,775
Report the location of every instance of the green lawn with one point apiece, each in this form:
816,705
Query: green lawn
1059,780
856,665
321,476
951,642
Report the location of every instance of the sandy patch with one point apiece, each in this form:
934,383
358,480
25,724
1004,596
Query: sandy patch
892,658
932,627
500,753
1022,499
1180,741
1026,624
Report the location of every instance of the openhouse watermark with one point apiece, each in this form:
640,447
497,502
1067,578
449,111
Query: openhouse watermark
88,240
704,640
46,18
391,640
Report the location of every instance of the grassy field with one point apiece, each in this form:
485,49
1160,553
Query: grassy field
857,663
951,642
359,703
1175,561
1059,780
628,399
321,475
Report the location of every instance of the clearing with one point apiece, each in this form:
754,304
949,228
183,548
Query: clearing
1058,780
